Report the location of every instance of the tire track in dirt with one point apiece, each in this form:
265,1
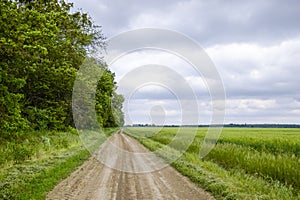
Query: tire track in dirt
93,180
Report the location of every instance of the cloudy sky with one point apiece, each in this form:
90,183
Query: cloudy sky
254,45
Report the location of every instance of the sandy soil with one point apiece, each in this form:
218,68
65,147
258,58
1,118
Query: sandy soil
125,176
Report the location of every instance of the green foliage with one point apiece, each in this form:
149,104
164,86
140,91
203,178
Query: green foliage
94,94
108,102
42,46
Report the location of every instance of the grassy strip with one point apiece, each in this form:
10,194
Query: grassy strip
223,184
33,178
43,177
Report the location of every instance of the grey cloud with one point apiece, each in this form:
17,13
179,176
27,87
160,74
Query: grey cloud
115,15
259,71
242,21
209,22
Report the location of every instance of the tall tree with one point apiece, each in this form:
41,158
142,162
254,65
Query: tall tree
108,102
42,45
12,56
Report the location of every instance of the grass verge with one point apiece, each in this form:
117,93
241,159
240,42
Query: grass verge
33,177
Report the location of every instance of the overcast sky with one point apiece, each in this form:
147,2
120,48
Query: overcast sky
255,46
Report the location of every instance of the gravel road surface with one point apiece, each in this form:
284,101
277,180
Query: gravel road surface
118,180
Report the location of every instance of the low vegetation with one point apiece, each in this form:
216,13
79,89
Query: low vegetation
246,163
32,167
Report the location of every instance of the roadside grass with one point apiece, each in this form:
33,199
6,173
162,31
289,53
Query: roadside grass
234,170
41,163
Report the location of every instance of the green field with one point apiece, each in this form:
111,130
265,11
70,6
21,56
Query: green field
246,163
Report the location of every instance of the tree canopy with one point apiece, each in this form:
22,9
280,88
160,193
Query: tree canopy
42,46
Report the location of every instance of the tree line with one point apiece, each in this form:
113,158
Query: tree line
42,46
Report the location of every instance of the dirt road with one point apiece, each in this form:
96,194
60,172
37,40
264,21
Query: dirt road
94,180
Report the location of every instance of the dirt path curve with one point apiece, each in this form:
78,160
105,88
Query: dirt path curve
93,180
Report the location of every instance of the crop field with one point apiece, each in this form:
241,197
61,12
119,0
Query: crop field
246,163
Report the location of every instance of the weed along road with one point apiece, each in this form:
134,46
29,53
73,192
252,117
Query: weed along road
117,180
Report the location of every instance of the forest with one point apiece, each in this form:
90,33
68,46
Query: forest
42,45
